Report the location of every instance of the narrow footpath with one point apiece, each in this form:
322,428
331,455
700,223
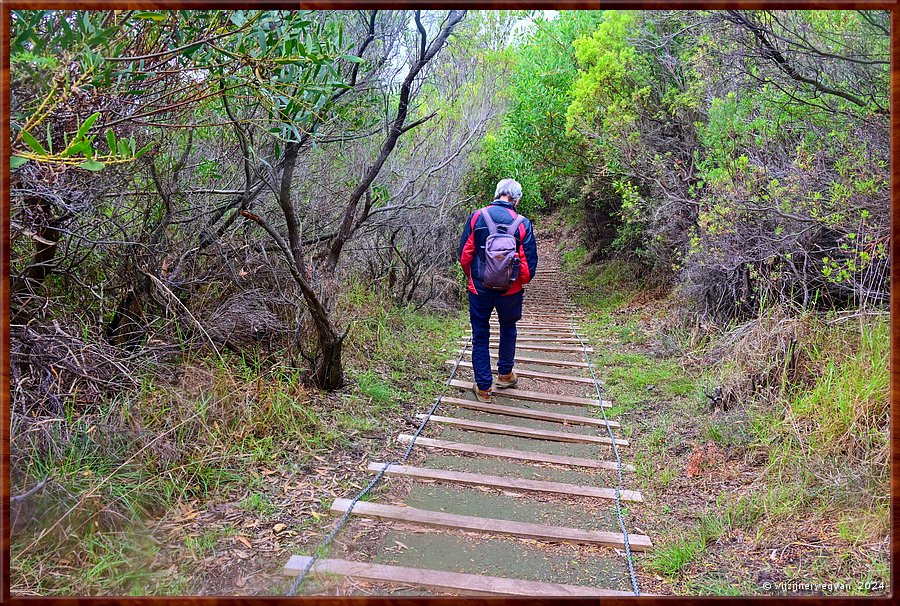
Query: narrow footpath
522,496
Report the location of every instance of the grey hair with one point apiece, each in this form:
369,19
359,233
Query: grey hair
508,187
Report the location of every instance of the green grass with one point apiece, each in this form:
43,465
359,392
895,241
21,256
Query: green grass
710,527
743,513
848,402
715,586
816,441
203,545
573,259
629,332
379,391
675,557
728,432
259,503
666,475
105,562
603,287
635,378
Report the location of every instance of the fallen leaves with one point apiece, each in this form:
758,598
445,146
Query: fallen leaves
704,458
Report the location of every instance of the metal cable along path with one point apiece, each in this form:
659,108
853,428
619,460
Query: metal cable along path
327,541
548,325
615,448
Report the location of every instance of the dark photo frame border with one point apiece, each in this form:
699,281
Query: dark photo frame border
7,5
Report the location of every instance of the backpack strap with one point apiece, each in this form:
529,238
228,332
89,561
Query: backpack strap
510,228
491,224
514,226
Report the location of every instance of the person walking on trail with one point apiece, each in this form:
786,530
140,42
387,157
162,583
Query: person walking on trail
498,253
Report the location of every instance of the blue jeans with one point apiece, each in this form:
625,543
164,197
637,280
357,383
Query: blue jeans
509,311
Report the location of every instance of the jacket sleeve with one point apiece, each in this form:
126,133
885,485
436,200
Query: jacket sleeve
529,247
467,244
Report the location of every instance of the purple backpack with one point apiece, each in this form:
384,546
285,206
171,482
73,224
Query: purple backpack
501,258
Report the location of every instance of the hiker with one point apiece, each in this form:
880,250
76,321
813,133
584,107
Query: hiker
499,255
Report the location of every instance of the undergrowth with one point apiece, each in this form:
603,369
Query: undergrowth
797,399
193,430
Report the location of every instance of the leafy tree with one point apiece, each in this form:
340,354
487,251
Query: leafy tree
531,144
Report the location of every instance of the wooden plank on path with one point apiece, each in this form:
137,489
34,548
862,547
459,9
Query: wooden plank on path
528,413
522,432
442,580
536,321
538,339
536,374
529,336
541,361
542,347
508,453
536,396
525,326
477,479
561,316
546,326
557,319
440,519
533,332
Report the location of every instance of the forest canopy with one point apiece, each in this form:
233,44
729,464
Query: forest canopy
740,155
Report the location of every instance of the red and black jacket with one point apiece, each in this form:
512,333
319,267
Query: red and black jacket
474,237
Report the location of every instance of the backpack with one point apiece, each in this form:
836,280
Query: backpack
501,253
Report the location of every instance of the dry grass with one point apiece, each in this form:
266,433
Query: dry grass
195,432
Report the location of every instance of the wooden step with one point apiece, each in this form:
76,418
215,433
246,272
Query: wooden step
477,479
530,332
535,374
541,347
567,329
440,519
521,324
442,580
537,339
541,361
507,453
550,310
535,396
549,320
560,318
527,413
566,334
522,432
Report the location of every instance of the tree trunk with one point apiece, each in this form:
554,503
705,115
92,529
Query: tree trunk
45,244
397,128
329,373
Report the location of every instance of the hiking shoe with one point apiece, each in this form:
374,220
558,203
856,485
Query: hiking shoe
509,380
481,395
